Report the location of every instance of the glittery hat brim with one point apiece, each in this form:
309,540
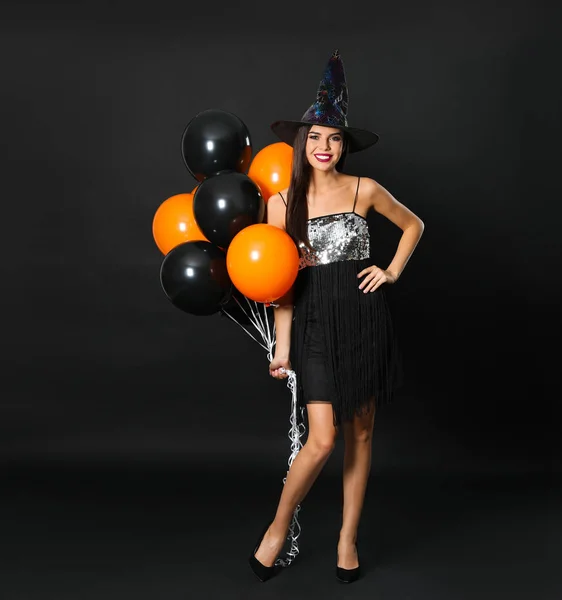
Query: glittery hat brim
359,139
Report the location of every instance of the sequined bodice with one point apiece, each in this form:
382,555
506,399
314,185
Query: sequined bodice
337,237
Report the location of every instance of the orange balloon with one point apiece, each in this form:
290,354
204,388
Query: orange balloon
263,262
271,168
174,223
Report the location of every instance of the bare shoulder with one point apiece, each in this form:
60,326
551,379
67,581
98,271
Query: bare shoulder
374,195
278,200
368,186
276,209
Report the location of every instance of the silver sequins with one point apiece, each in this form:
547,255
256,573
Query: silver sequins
343,236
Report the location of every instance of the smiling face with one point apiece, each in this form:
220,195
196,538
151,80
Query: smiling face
324,147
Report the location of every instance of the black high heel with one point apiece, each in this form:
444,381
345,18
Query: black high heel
262,572
347,575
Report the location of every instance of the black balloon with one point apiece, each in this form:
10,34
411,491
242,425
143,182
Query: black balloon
226,203
214,141
195,279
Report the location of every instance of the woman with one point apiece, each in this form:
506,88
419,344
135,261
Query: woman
335,319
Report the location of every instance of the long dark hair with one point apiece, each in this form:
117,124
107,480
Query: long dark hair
296,220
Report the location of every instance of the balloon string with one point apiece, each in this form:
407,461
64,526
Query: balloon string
297,427
296,431
270,333
255,309
252,318
242,326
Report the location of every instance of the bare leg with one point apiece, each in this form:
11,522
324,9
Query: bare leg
304,470
357,465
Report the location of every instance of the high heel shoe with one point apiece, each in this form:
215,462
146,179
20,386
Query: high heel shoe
262,572
347,575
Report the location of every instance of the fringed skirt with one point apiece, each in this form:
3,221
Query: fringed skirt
344,346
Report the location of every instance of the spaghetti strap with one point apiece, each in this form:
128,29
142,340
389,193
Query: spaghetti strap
282,198
356,193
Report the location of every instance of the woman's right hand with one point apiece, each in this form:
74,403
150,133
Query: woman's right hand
276,365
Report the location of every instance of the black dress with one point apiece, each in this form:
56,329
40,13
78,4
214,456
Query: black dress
344,349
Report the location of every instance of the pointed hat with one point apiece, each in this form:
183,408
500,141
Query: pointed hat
329,109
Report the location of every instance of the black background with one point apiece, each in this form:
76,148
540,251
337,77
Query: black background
102,374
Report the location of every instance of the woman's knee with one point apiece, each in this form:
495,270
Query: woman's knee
360,430
322,432
323,445
362,435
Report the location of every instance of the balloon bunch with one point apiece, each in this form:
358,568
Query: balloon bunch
214,239
219,254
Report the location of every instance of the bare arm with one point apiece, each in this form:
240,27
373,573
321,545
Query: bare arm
412,226
283,313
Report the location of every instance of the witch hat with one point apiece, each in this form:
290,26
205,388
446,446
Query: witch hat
329,109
